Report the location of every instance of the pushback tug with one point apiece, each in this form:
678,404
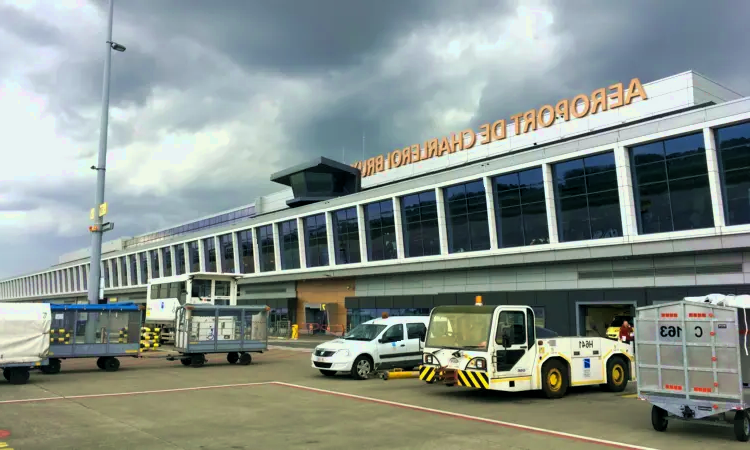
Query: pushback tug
496,348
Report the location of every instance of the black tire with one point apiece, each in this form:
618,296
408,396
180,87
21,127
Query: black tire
328,373
659,419
6,374
197,360
100,362
111,364
233,357
741,426
362,367
54,367
18,375
617,374
555,379
186,361
245,359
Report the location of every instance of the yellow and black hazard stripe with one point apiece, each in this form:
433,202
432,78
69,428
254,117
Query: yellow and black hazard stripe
477,380
427,373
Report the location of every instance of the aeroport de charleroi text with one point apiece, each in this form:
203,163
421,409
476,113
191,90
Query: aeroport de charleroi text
582,105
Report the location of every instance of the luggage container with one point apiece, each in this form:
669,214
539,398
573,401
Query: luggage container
693,361
105,332
24,339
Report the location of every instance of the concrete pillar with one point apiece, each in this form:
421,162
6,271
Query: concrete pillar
549,197
714,178
399,228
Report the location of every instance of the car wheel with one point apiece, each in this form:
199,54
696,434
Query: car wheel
362,367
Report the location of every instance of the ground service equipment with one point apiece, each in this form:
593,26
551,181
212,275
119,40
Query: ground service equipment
235,330
694,362
24,339
116,335
496,348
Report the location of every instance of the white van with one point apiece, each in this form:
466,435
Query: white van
395,342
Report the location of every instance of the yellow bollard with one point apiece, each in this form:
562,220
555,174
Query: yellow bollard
295,331
394,375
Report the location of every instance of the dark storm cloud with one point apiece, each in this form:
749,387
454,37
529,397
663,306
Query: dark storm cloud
28,28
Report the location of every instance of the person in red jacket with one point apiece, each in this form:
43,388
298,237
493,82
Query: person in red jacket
626,332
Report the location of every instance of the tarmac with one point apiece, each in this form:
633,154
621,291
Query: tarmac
280,402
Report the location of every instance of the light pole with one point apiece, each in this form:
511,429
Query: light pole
99,227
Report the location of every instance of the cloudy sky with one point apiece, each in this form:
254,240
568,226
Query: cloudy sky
213,96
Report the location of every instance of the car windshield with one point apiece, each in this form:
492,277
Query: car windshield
364,332
459,330
618,320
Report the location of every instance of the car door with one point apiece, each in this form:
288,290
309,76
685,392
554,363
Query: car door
515,342
391,345
416,333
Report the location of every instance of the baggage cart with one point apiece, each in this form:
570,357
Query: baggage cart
24,339
234,330
104,332
693,362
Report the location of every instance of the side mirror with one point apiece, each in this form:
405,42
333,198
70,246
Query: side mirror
506,341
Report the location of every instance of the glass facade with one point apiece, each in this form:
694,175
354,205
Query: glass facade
194,257
670,184
133,269
105,273
587,199
179,259
144,267
266,248
220,220
124,269
380,228
154,255
316,241
520,209
289,236
86,269
346,236
209,254
421,237
466,217
115,275
78,278
245,243
227,253
166,258
733,146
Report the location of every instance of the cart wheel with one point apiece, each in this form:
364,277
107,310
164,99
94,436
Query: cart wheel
18,375
52,368
741,426
111,364
197,360
6,374
100,362
245,359
659,419
233,357
185,361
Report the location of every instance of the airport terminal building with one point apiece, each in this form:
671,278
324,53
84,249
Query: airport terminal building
630,195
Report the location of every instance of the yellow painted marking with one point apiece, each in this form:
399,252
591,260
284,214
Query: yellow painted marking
629,396
586,382
501,380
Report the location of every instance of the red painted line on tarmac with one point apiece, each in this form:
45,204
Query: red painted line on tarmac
542,431
126,394
4,434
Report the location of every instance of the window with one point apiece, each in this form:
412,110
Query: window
86,271
289,237
394,334
316,241
115,275
166,257
222,289
209,254
416,331
133,269
380,230
466,217
194,257
144,267
266,249
124,268
734,164
154,264
513,325
245,241
420,225
670,180
346,236
78,279
201,288
227,253
521,209
105,270
587,200
179,259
